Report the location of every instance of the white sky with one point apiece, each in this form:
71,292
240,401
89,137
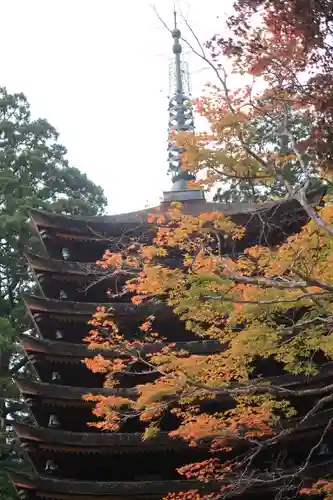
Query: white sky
97,70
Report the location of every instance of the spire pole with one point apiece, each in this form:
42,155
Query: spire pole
177,50
180,111
180,116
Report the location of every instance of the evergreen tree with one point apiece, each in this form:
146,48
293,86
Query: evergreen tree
34,173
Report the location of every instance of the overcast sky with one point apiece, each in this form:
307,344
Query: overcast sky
98,71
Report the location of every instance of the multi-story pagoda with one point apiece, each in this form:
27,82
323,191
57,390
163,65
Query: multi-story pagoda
71,460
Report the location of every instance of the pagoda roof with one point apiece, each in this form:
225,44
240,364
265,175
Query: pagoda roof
48,487
48,435
70,350
75,353
86,309
117,442
101,442
67,392
81,351
80,489
88,270
103,223
45,264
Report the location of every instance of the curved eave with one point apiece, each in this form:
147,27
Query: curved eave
113,223
87,224
86,309
42,264
33,345
149,489
81,351
110,442
97,442
44,484
55,392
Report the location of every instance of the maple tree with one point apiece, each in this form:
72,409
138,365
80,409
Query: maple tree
268,305
239,302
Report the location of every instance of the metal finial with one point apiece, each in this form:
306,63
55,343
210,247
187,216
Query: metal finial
180,110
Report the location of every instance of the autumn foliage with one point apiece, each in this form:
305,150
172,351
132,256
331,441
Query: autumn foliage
267,304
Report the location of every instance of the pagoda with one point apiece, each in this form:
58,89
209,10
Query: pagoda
71,460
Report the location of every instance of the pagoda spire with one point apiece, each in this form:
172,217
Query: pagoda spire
180,120
180,110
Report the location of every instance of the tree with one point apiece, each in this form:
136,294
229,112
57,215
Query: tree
34,173
270,307
266,305
233,187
